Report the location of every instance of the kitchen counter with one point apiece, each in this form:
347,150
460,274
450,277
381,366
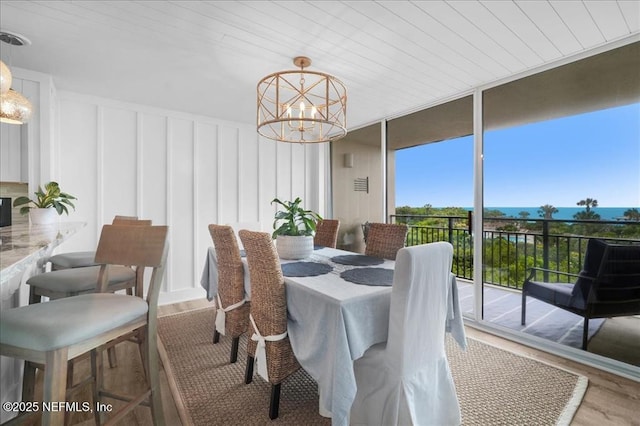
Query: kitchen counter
22,245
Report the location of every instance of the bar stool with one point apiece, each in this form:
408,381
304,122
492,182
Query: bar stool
75,281
79,259
58,331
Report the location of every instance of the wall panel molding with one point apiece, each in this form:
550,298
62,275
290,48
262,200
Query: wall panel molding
189,171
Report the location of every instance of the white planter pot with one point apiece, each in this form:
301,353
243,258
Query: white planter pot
294,247
43,216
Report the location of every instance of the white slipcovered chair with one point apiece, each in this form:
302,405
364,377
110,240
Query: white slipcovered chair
407,380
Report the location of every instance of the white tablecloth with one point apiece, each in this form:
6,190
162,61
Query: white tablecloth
332,322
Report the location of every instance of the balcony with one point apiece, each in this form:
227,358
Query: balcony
511,246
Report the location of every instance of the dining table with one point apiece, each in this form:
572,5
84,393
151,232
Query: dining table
338,306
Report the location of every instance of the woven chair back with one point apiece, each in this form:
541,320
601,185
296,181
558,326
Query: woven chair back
385,239
230,270
268,299
327,233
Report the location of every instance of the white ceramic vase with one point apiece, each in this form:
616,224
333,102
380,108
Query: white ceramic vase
290,247
43,216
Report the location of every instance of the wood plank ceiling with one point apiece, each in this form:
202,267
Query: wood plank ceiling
395,57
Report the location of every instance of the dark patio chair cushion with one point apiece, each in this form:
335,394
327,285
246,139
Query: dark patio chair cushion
590,268
554,293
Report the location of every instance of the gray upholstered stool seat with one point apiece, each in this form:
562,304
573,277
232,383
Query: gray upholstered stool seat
78,280
67,321
77,259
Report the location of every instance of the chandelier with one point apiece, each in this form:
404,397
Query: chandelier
14,107
302,106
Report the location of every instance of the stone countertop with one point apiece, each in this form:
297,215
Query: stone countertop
23,244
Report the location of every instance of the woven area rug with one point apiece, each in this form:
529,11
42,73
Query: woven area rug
495,387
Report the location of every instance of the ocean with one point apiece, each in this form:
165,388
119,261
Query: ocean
606,213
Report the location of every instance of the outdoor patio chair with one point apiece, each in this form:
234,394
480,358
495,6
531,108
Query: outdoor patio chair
607,286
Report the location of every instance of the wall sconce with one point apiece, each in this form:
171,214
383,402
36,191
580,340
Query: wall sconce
348,160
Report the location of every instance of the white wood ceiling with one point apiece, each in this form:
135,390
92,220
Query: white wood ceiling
206,57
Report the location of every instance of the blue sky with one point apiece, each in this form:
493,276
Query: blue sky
557,162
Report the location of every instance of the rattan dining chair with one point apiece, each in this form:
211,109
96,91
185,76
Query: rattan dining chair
81,259
232,313
385,239
269,345
55,332
327,233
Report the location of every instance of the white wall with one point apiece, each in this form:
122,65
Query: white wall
177,169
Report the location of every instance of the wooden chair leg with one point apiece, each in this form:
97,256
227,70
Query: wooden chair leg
142,349
113,358
54,388
28,381
96,383
70,369
67,414
155,399
248,371
274,405
234,349
216,336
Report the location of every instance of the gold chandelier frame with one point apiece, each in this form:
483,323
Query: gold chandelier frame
302,106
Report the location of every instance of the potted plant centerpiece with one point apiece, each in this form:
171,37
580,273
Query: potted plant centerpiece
294,228
46,204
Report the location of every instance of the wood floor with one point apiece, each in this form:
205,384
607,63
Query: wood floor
609,400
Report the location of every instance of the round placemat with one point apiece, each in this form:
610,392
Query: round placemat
369,276
357,260
305,269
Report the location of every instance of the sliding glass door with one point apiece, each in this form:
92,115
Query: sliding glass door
561,161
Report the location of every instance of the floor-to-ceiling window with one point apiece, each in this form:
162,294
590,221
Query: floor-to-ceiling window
562,144
560,147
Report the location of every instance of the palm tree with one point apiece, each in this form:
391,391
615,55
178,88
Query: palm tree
632,214
588,203
547,211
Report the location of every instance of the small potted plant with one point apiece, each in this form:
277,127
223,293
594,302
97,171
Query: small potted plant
294,228
46,204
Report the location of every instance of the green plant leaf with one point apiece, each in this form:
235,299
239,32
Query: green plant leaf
292,219
50,197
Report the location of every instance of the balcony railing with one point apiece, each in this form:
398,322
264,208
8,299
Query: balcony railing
512,245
